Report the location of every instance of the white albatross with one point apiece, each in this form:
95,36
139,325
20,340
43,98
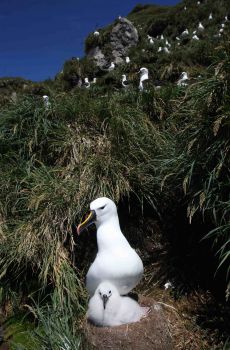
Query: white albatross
116,261
144,76
108,308
183,80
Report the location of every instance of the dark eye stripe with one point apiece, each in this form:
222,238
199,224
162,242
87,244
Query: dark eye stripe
102,207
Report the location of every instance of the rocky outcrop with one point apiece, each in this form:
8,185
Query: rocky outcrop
123,36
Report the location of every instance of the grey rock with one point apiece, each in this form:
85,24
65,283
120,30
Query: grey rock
123,36
98,56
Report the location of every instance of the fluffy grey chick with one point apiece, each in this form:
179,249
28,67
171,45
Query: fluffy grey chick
108,308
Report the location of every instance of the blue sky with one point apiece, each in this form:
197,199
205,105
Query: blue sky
37,36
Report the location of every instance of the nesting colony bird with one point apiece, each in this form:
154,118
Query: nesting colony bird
226,18
127,59
46,102
162,37
183,80
111,67
166,50
185,32
124,81
185,8
198,3
86,83
143,77
151,41
167,43
210,16
116,261
222,25
159,49
177,38
200,26
96,33
195,37
94,81
108,308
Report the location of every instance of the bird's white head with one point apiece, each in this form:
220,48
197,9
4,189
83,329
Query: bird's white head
45,97
86,80
101,210
123,77
106,290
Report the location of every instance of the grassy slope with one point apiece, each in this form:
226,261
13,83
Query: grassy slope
166,147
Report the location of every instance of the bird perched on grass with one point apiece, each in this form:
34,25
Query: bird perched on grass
108,308
210,16
86,83
200,26
46,102
124,82
96,33
183,80
195,37
116,261
185,32
144,76
127,59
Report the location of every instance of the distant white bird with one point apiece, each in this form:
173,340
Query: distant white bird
222,25
94,81
116,260
127,59
185,32
200,26
166,50
159,49
210,16
124,81
149,37
143,77
46,102
198,3
185,8
108,308
151,41
111,67
168,285
221,30
195,37
143,50
226,18
96,33
194,32
167,43
183,80
162,37
86,83
177,38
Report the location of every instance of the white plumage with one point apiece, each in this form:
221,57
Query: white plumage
166,50
185,32
200,26
46,102
143,77
159,49
183,80
116,261
210,16
111,67
108,308
124,81
127,59
195,37
86,83
96,33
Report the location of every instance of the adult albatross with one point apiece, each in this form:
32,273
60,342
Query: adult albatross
116,261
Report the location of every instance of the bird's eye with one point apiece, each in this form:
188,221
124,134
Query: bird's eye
102,207
100,293
109,291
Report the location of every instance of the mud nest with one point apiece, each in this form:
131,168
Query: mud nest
151,332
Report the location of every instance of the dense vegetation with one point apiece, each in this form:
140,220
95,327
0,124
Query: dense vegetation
165,149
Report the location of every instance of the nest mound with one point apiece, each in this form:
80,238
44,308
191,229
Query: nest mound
151,332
